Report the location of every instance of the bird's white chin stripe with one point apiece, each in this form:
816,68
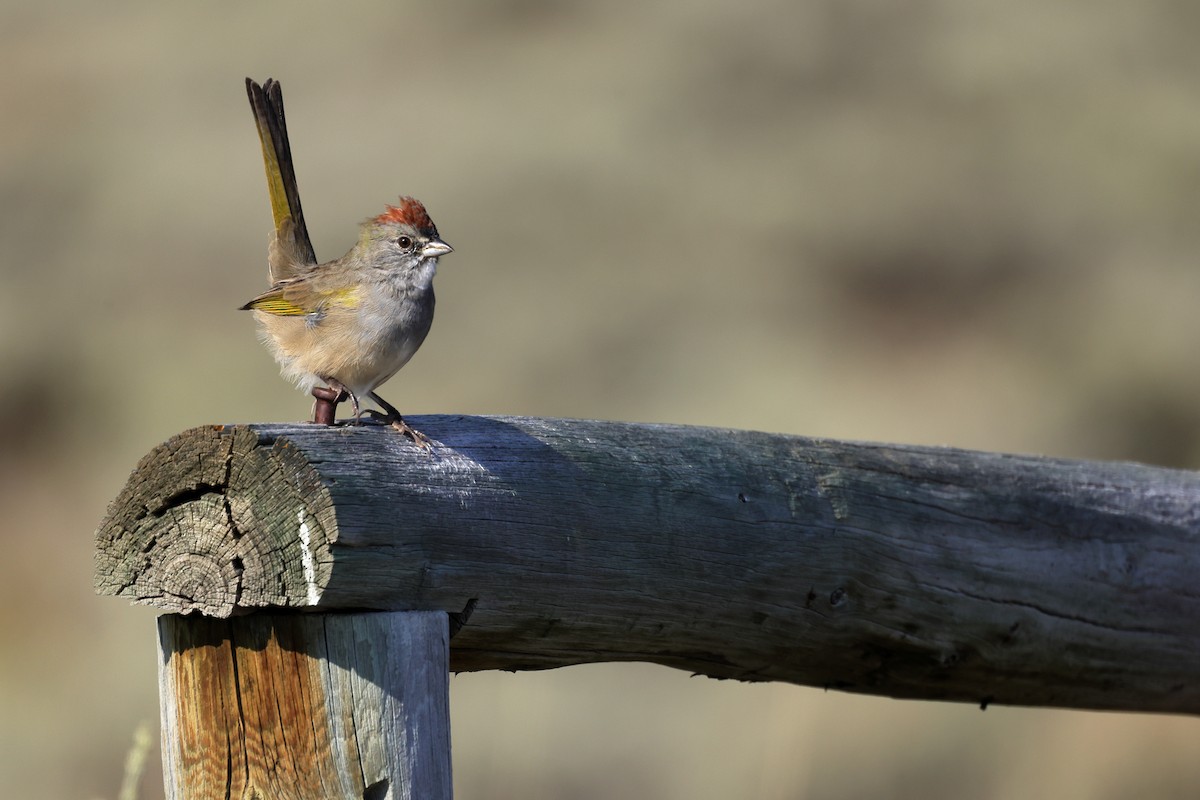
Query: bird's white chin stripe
423,274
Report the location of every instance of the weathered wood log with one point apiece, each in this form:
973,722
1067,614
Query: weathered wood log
905,571
295,707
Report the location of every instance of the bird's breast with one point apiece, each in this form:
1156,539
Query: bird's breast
361,344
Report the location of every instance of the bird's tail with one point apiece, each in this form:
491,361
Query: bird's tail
292,247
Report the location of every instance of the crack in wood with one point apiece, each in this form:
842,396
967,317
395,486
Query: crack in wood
458,620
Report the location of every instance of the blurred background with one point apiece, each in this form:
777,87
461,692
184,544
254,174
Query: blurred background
942,221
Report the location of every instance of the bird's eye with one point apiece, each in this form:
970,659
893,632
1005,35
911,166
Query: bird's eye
405,242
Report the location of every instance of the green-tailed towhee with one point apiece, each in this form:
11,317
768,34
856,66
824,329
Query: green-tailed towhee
353,322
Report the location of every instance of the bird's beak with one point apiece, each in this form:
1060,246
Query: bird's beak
436,248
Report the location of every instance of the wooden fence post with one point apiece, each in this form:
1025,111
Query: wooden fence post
299,706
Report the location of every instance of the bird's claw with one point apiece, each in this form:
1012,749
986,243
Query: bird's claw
419,439
397,422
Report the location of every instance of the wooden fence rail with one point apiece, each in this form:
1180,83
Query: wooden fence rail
913,572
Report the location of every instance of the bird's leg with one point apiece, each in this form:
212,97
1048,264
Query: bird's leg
325,405
393,418
354,404
392,413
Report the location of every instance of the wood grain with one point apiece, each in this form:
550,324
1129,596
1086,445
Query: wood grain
295,707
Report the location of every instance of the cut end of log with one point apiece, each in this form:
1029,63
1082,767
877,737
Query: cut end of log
188,532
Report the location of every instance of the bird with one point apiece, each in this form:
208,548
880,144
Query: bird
353,322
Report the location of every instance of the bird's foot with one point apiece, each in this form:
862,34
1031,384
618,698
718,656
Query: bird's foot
396,421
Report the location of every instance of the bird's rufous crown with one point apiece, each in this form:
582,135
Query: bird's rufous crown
409,212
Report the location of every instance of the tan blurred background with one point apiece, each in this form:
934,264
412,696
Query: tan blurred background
940,221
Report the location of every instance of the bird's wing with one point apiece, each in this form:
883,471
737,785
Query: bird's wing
299,297
273,301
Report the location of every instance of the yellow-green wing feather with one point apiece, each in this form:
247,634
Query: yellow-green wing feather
297,300
275,303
